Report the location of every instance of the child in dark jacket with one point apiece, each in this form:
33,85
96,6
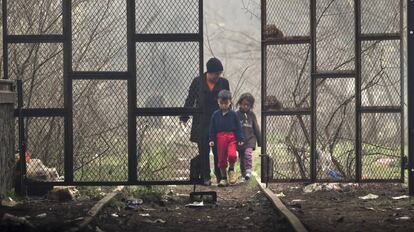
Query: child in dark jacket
251,133
225,132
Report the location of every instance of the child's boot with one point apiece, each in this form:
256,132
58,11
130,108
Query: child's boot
223,183
248,174
232,177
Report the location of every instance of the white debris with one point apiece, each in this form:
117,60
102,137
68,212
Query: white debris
42,215
281,194
195,204
333,186
297,200
403,218
8,202
144,214
155,221
400,197
38,171
315,187
369,197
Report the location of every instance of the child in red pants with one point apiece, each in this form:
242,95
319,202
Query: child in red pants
226,132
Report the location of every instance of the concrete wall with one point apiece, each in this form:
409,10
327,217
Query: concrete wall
7,140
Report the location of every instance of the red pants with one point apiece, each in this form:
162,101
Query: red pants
226,149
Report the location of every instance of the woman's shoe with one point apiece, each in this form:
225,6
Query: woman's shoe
207,183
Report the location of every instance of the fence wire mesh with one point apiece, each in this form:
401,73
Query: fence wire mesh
164,149
335,35
335,129
165,71
289,90
280,14
100,110
34,17
100,130
167,16
99,35
288,64
40,67
380,16
288,144
381,146
381,77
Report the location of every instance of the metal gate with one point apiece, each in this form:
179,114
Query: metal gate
332,90
102,83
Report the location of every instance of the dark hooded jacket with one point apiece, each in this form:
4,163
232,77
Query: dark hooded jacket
208,105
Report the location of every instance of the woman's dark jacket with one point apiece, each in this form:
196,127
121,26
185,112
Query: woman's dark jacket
201,122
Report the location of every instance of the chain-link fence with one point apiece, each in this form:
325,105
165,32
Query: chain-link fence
103,84
332,90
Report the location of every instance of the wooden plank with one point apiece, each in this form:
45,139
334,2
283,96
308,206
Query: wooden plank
293,220
98,206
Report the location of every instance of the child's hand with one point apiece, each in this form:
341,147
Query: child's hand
241,143
211,144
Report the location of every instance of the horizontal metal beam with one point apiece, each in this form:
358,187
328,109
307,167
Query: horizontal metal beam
168,37
34,38
334,74
47,112
99,75
381,181
380,109
166,111
288,40
287,112
7,82
380,36
107,183
289,180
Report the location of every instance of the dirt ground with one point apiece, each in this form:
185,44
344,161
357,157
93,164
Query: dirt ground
59,215
342,210
241,207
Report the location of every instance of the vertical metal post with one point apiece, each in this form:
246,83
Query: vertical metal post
410,92
201,95
200,113
358,167
264,89
201,38
132,93
67,90
402,91
5,41
22,144
313,58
